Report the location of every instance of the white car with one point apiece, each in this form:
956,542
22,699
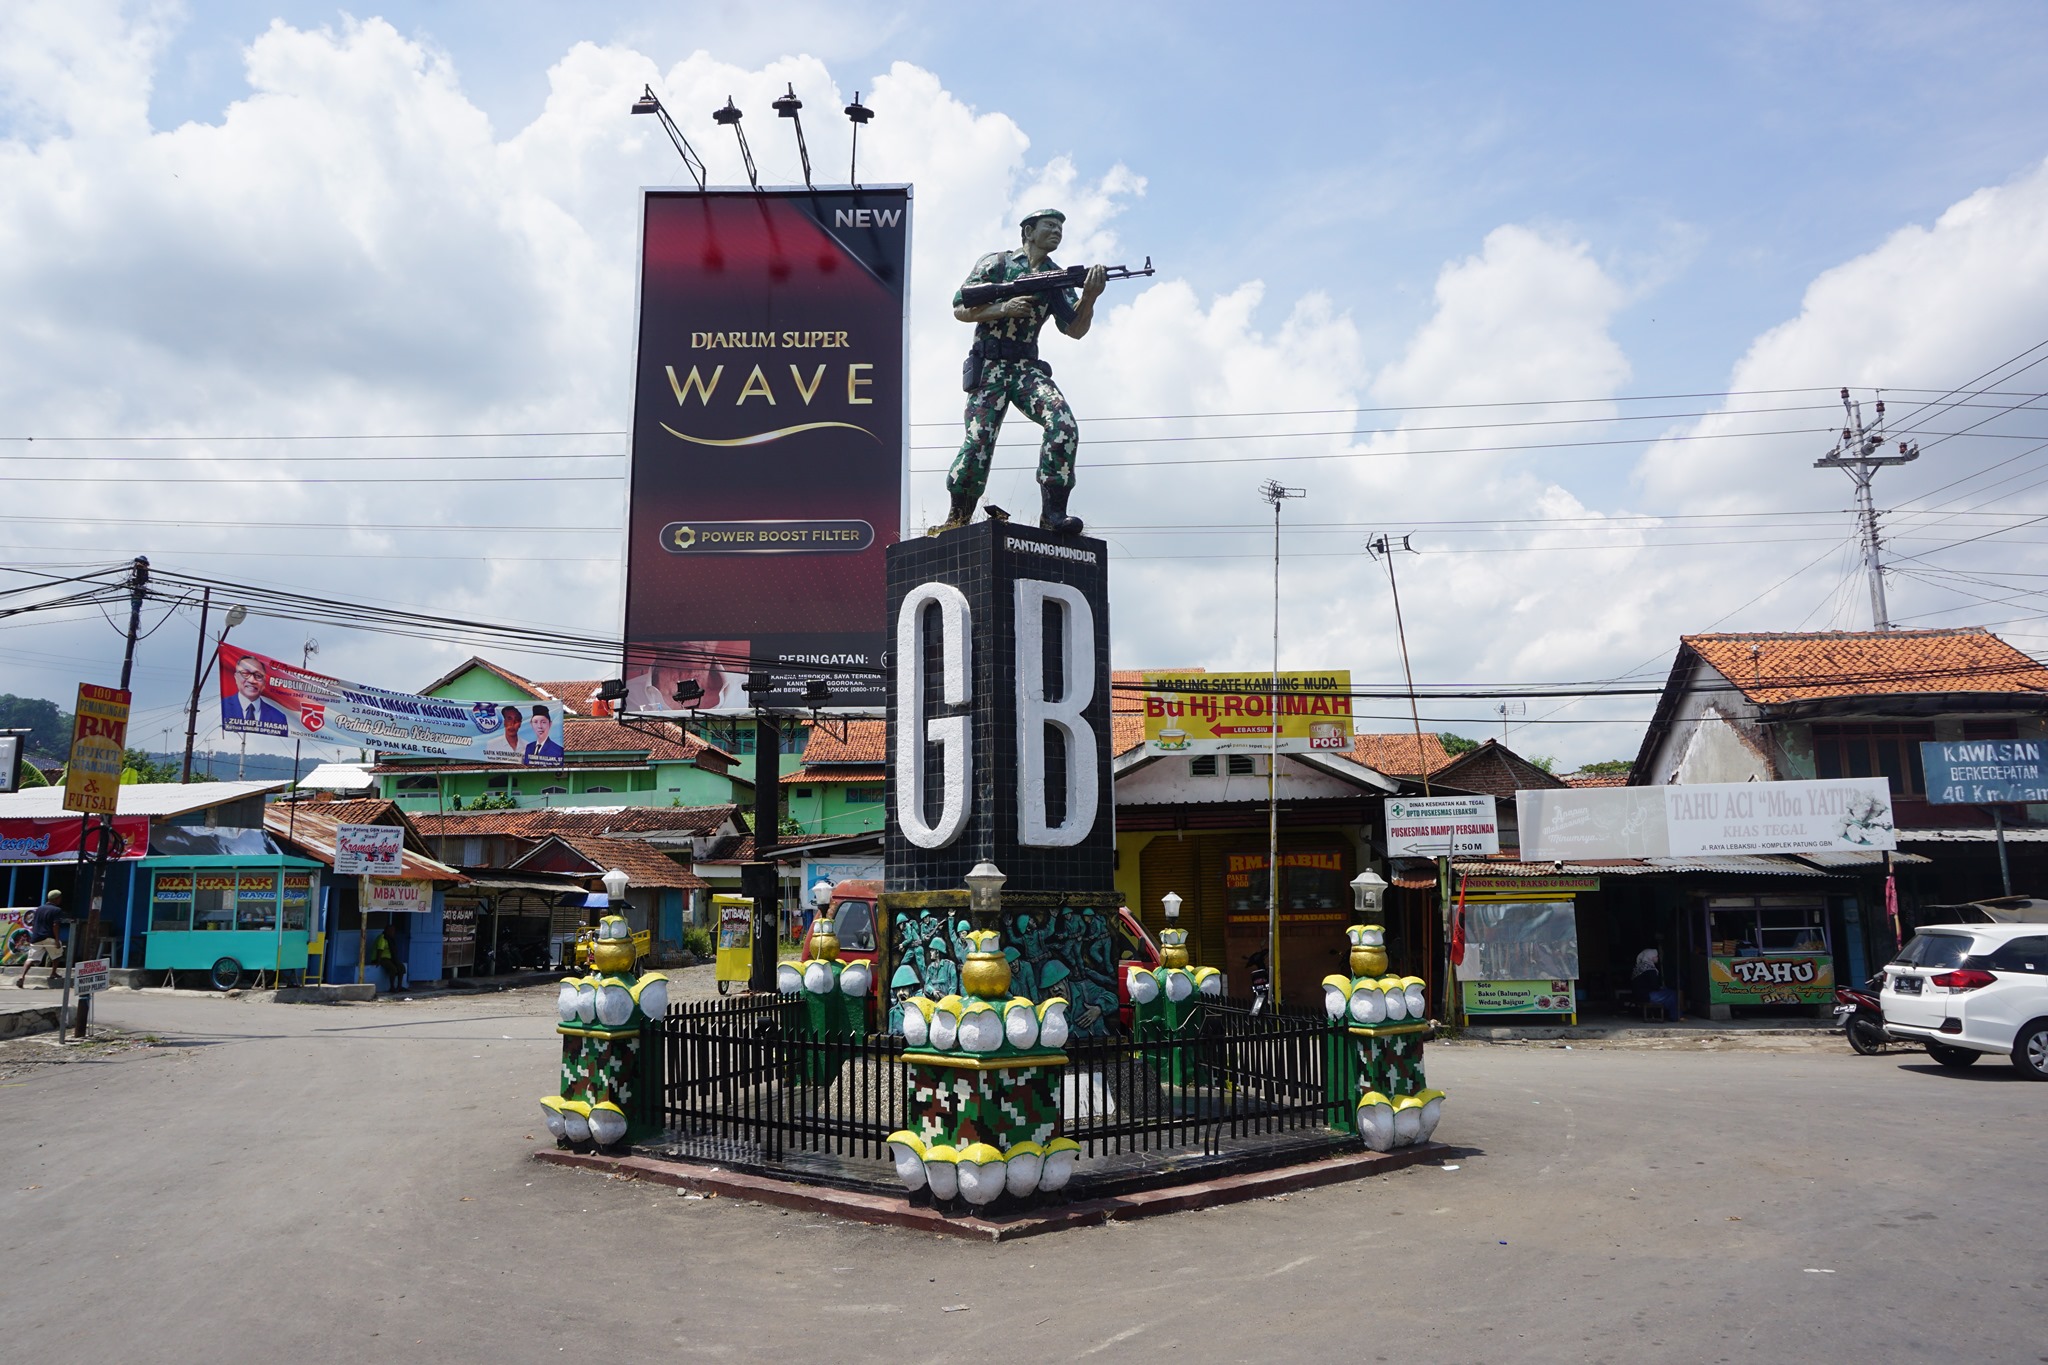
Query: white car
1964,990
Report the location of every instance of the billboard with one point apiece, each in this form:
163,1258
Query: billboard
1835,815
1219,713
1986,772
260,695
99,743
769,443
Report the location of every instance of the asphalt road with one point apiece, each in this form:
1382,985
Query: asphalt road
293,1182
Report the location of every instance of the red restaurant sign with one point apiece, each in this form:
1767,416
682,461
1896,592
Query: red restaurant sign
56,840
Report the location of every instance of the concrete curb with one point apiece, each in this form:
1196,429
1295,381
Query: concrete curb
19,1023
896,1211
324,995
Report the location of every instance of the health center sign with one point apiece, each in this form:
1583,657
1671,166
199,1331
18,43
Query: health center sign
260,695
1837,815
769,445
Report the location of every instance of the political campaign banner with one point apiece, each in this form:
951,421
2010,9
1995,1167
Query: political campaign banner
368,850
54,839
1217,713
1834,815
260,695
769,444
1986,772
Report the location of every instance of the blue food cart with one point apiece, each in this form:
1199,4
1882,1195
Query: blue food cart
230,916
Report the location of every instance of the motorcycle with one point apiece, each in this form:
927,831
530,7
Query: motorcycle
1261,982
1861,1017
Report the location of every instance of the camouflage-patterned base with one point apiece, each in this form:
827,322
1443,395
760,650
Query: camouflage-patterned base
1392,1066
1359,1063
1000,1107
596,1069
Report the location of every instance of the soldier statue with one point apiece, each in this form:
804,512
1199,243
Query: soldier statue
1003,368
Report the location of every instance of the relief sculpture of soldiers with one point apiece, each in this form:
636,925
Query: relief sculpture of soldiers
1008,297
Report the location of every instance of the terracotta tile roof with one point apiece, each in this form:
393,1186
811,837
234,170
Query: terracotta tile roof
531,689
574,695
643,862
539,822
851,773
312,827
737,849
1126,732
1595,779
1396,755
1493,770
866,741
1776,668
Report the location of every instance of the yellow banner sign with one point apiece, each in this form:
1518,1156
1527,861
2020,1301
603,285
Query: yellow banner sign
99,737
1218,713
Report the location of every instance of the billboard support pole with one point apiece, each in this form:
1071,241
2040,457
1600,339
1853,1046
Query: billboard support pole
2004,867
766,887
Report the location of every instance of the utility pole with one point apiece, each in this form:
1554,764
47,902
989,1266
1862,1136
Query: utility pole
1276,493
1856,453
138,584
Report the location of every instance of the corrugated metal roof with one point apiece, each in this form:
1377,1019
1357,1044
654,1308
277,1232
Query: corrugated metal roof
1860,858
141,798
1972,836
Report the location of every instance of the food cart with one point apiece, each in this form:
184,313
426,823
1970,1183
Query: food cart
735,916
1768,950
230,915
1521,955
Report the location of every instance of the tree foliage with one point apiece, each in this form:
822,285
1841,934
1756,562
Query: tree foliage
1608,767
1454,745
48,725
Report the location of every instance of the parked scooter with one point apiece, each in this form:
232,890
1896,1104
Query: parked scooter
1861,1017
1262,984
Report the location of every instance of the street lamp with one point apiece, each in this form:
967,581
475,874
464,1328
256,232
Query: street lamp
615,885
985,893
1171,903
1368,888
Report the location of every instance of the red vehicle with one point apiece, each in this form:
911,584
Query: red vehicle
854,918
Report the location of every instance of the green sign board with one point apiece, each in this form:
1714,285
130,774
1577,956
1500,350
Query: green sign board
1520,997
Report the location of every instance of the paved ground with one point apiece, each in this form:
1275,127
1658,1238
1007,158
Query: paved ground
281,1182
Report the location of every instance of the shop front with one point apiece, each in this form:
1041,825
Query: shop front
1768,950
229,916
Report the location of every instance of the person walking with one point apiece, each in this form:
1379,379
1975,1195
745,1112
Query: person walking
43,947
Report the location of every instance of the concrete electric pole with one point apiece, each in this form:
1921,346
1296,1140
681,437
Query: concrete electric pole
1856,452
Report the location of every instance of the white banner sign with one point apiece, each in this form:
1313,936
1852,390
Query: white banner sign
1441,826
1839,815
402,897
368,850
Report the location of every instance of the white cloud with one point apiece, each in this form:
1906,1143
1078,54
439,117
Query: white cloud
353,248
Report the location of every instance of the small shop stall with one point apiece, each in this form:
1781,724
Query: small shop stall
228,915
1768,950
1313,906
1521,948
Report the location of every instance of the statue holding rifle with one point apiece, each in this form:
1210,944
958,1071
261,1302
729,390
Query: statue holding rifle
1008,296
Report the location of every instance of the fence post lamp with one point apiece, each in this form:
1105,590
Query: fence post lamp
985,894
1170,902
615,882
1368,888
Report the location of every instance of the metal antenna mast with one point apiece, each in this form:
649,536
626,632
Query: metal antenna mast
1276,493
1856,453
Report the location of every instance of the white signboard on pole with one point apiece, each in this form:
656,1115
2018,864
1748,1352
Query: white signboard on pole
90,976
368,850
1441,827
1837,815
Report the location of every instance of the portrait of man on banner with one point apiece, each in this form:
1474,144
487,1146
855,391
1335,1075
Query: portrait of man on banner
245,707
543,750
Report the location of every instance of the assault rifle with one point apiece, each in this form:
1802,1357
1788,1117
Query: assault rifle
1044,282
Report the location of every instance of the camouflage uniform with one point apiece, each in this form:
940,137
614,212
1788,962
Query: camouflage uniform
1025,382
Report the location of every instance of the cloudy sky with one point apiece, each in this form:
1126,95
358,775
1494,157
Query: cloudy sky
1564,294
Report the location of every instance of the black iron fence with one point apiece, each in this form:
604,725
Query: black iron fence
741,1082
